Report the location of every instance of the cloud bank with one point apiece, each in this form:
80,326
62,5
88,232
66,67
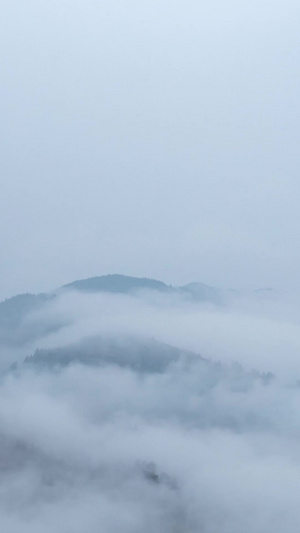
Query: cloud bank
149,436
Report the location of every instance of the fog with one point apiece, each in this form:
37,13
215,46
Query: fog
155,138
259,331
152,411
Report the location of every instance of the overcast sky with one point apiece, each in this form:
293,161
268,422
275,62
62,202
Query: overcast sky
156,138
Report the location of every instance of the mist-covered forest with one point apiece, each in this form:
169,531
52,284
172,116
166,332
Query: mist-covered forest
149,272
129,405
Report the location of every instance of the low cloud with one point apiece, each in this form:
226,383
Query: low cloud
259,331
170,441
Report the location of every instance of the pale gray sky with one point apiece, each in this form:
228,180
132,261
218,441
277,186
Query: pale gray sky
154,138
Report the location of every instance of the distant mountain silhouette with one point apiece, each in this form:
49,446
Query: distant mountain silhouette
200,291
12,309
143,355
12,314
116,283
15,329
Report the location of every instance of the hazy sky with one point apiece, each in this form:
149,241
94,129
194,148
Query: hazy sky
154,138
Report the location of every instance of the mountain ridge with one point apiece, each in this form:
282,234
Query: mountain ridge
15,310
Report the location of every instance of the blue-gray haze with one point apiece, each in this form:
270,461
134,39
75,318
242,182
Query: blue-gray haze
149,138
161,140
130,405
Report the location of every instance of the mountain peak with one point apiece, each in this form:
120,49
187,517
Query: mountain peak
117,283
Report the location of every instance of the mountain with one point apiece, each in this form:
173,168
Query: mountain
16,329
202,292
12,315
144,355
13,309
116,283
19,326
